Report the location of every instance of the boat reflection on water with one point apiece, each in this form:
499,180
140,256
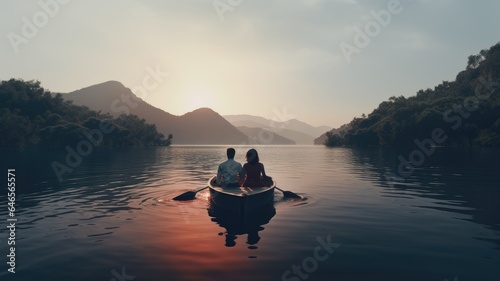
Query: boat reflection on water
237,225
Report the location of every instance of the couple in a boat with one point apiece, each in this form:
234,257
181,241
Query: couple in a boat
251,174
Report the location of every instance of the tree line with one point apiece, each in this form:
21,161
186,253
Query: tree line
467,110
33,116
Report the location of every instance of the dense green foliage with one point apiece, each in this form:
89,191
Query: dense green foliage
30,115
467,110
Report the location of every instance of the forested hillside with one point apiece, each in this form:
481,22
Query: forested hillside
31,115
467,110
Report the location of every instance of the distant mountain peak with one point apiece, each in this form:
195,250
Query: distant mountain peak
108,85
203,110
294,129
111,82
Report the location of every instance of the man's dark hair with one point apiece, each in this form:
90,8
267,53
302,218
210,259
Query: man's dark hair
230,153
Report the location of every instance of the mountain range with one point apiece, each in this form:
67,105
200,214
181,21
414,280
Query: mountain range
293,129
263,136
201,126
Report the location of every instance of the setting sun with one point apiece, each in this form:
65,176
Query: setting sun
199,98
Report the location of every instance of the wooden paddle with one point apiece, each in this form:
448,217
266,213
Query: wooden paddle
288,194
189,195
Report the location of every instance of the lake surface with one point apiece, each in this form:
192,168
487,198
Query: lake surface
112,217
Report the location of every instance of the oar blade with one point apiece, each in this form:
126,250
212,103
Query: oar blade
289,194
190,195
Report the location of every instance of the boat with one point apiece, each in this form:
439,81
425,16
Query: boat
241,200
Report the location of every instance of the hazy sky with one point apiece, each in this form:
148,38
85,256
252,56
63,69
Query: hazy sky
258,57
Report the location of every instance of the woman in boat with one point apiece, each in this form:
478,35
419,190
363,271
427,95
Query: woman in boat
253,170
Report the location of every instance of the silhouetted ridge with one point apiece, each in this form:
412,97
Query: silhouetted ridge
201,126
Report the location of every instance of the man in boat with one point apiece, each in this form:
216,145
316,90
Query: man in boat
228,174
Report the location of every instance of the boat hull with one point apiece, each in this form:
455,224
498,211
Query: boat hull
241,200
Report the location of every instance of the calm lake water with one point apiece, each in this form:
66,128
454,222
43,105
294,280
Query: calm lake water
112,217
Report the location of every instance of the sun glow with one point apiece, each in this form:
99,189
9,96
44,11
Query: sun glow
199,98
